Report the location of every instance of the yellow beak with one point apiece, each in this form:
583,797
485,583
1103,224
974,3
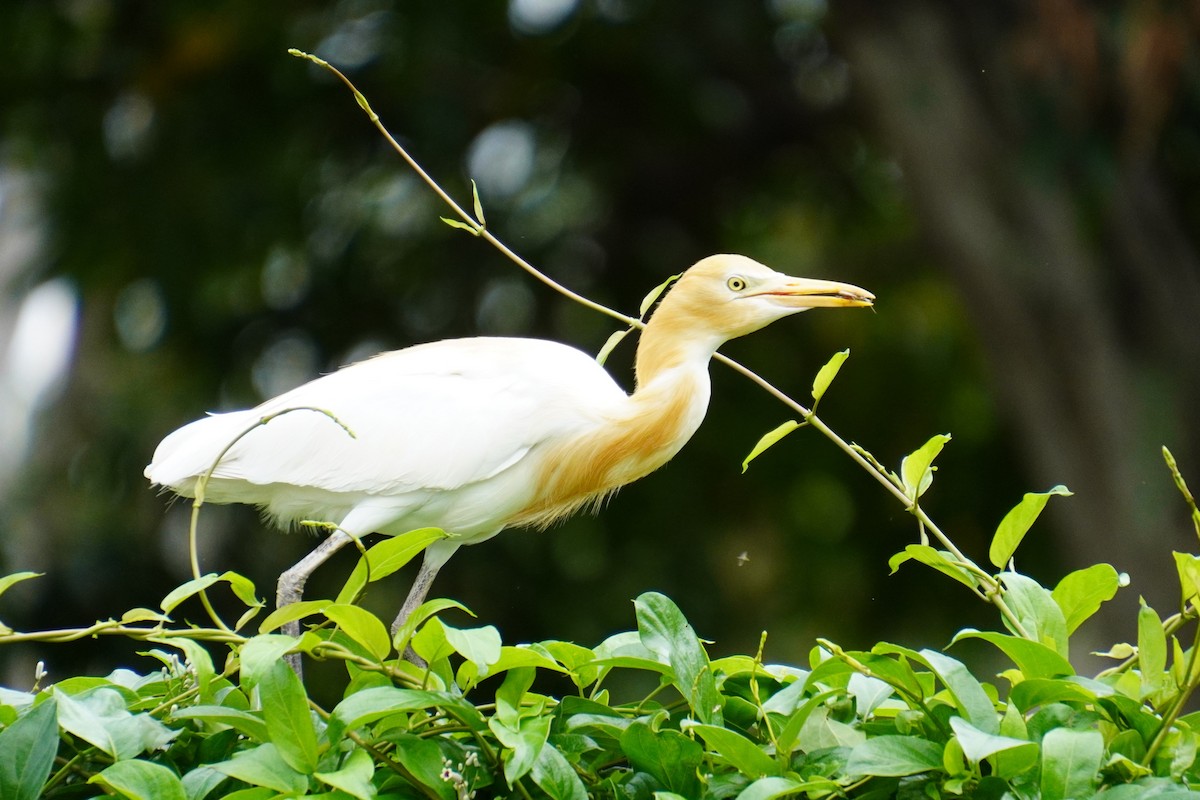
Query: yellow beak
813,293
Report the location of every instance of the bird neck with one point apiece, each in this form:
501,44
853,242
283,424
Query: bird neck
636,437
673,341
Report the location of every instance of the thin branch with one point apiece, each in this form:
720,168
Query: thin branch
202,486
993,591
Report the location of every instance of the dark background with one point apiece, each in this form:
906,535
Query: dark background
191,220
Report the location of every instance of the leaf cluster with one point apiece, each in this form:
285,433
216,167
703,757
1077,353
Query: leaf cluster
477,718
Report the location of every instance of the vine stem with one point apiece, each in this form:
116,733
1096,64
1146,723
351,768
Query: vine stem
201,489
117,629
1180,701
992,591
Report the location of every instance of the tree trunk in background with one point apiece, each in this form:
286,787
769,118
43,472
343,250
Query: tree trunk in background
1083,343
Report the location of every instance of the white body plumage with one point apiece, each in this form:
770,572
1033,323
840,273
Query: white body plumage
413,413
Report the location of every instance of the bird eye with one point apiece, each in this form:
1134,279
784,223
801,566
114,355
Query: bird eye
736,283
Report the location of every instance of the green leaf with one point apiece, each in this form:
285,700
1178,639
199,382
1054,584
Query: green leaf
250,725
292,611
1119,651
385,558
430,643
200,781
1081,593
363,627
666,633
786,699
1009,763
977,745
197,657
135,615
940,560
478,205
610,344
1037,692
896,672
1034,659
423,759
820,731
8,581
555,776
742,753
1177,754
797,723
826,374
354,778
421,613
264,766
1070,761
27,750
508,696
868,693
518,656
916,469
652,296
668,756
369,705
1188,567
289,722
1152,651
480,646
454,223
1016,524
100,716
260,654
523,744
970,698
242,587
1036,610
256,793
141,780
894,756
186,590
577,660
771,788
769,440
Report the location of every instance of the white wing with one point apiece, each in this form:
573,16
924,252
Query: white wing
434,416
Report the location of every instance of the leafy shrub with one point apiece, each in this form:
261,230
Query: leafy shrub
889,722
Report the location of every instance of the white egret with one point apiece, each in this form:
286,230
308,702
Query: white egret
477,435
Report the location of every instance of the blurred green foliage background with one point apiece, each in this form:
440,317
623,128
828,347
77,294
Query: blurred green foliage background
192,220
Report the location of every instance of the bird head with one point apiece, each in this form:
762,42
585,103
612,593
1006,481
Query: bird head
730,296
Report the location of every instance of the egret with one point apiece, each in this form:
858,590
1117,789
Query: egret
481,434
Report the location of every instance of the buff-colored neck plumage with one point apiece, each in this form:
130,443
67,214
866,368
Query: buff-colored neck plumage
648,429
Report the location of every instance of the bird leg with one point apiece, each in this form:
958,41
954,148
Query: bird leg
291,583
436,555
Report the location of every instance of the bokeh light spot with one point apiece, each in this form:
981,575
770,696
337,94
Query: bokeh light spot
285,279
501,158
140,315
535,17
505,307
127,126
285,363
